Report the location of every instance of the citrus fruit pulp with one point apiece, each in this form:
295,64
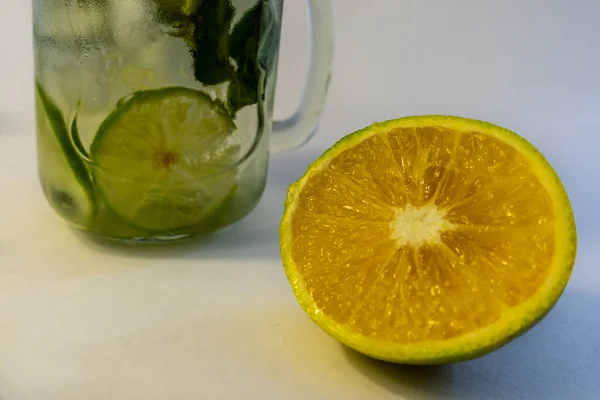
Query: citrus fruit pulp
163,160
428,239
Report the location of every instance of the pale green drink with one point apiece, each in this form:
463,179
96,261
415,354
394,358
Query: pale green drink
151,114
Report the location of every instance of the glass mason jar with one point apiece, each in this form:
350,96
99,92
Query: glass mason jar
154,117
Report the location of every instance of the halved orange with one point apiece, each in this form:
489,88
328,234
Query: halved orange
428,239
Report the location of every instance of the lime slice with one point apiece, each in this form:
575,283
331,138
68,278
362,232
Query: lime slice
428,239
163,160
64,176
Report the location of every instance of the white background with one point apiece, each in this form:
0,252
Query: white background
216,319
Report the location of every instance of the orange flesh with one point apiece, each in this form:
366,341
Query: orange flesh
423,234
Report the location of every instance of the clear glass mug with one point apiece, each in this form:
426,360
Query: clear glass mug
154,117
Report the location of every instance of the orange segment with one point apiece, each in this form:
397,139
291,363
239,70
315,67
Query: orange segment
372,167
332,194
480,188
413,236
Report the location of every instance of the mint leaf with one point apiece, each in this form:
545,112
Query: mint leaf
212,21
177,18
244,44
170,11
205,25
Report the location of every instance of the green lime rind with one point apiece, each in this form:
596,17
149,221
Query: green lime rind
108,223
59,127
76,139
64,176
215,217
158,194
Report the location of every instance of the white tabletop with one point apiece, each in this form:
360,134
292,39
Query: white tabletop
217,319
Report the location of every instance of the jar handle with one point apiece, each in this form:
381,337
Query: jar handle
296,130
